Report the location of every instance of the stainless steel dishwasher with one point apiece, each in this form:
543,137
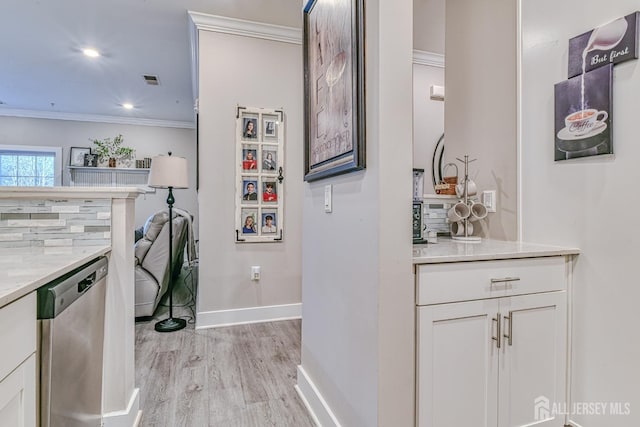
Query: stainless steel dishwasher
71,313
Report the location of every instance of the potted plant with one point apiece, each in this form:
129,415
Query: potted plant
112,150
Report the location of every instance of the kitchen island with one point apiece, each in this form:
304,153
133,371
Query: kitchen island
492,332
44,233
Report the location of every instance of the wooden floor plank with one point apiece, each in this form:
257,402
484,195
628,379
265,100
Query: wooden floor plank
240,376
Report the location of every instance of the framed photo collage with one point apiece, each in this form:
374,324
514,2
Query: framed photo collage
259,175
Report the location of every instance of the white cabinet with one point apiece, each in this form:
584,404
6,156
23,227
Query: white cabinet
18,363
533,362
18,396
457,365
484,362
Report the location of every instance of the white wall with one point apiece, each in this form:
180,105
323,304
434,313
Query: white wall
148,141
428,119
250,72
428,25
577,202
480,111
358,312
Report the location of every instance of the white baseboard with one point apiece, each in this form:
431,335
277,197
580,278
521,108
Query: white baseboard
138,419
130,417
240,316
318,408
574,424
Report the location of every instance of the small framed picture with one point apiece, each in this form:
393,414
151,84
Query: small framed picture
270,127
249,225
269,223
249,127
269,192
91,160
249,190
269,159
250,159
76,155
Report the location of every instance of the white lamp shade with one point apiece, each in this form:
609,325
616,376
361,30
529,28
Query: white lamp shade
168,171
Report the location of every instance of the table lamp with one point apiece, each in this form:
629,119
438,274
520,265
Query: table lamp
169,172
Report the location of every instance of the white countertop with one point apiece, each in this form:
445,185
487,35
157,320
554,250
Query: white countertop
70,192
23,270
447,250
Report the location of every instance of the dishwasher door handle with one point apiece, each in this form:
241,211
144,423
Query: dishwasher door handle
87,282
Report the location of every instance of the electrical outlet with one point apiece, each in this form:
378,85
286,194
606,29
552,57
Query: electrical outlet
489,200
255,272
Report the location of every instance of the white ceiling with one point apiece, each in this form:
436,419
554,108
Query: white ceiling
43,72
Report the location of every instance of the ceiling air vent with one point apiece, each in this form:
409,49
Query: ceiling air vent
151,80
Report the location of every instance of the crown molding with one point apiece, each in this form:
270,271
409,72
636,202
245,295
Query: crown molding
241,27
53,115
422,57
194,43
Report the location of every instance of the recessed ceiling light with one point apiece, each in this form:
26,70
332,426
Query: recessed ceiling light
91,53
127,106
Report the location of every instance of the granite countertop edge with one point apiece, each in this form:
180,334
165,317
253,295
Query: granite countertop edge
58,261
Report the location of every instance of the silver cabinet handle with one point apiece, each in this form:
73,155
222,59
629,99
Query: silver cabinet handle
498,338
505,279
509,336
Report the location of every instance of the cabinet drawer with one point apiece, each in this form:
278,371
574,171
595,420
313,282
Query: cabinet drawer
18,333
465,281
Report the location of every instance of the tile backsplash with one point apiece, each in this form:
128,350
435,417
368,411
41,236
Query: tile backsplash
71,222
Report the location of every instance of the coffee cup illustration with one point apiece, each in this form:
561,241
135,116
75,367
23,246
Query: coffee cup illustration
584,121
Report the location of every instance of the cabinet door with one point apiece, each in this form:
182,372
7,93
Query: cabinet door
533,364
457,364
18,396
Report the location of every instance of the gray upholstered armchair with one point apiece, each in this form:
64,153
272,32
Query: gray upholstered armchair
152,260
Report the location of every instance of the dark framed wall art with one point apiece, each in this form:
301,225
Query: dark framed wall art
334,88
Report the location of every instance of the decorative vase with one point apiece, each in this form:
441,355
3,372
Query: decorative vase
112,162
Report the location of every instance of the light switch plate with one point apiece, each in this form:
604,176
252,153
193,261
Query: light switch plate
489,200
327,198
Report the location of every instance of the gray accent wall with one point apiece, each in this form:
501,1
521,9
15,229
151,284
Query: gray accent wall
481,105
251,72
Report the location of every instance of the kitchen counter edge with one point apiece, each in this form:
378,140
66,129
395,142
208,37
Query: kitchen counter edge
446,251
8,295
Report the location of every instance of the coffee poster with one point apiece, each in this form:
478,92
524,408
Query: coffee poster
611,43
583,115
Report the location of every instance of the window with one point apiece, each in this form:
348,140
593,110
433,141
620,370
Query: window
28,166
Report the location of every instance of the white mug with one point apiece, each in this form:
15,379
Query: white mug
457,229
458,212
478,211
472,189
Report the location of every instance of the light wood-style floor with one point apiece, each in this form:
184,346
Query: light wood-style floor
233,376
